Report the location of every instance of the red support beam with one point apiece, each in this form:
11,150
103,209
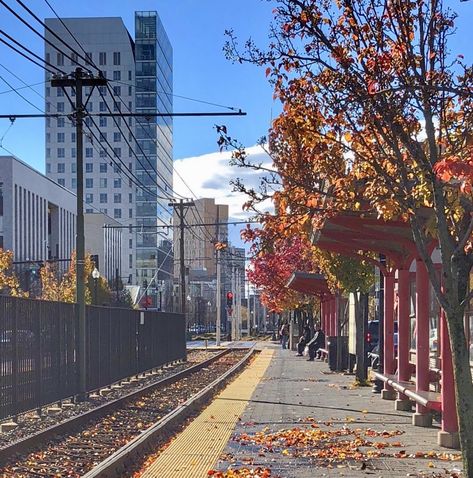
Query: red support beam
422,417
389,369
403,345
448,437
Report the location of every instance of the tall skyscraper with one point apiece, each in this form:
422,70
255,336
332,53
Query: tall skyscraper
127,161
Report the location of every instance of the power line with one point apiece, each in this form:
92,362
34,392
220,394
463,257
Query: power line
26,56
133,85
21,87
39,34
19,94
32,53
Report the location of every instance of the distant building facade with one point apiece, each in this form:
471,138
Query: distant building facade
38,220
198,240
128,171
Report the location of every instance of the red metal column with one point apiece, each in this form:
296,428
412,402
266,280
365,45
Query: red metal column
330,317
388,393
422,417
403,345
448,436
323,319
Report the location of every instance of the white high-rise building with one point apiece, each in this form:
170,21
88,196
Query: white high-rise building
139,74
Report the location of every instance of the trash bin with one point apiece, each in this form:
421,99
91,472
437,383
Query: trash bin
332,352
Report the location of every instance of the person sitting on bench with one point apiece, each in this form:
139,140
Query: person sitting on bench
317,342
304,340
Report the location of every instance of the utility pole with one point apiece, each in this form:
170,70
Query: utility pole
78,80
219,299
181,209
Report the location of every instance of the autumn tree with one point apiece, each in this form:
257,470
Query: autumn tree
9,284
378,112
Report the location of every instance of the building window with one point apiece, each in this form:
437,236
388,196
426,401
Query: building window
89,183
73,152
60,107
102,108
61,122
103,153
74,59
117,183
102,120
117,90
129,75
103,182
61,168
130,243
60,92
74,183
103,198
102,90
73,168
60,59
103,137
117,75
117,137
48,153
73,137
48,137
60,138
88,55
103,167
130,197
89,198
48,168
116,58
102,58
117,106
117,198
104,210
117,213
89,167
130,213
61,153
89,211
118,153
61,181
130,261
89,153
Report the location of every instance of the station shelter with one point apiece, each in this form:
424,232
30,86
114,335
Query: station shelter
418,370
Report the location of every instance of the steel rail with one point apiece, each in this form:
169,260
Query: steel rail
126,456
34,441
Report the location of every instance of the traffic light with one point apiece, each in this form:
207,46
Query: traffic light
229,299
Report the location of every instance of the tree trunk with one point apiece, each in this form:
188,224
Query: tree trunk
463,386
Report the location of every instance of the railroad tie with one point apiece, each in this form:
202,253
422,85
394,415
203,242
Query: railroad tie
197,448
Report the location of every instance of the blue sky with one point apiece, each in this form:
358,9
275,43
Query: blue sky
196,30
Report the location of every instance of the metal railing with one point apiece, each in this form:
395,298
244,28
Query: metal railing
38,349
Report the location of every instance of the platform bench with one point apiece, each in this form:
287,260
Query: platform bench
427,399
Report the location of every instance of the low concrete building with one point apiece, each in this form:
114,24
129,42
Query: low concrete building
38,220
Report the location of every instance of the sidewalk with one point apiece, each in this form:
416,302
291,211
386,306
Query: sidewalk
295,393
298,420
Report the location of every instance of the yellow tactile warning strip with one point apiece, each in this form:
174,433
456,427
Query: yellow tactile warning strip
197,449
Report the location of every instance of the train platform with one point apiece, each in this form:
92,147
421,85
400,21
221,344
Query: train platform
291,418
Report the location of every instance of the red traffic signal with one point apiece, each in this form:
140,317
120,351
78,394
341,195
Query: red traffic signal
229,298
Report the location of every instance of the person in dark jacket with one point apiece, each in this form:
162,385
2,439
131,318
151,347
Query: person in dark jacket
317,342
304,340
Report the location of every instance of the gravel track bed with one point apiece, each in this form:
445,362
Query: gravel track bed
29,425
75,454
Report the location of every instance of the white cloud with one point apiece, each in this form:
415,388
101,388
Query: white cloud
209,175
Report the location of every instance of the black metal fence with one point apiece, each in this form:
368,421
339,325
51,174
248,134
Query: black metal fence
38,349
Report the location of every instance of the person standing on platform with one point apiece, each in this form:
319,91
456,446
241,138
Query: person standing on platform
284,333
317,342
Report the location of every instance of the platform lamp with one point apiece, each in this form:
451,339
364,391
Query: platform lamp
95,276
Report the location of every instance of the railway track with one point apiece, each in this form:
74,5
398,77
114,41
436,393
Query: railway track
103,441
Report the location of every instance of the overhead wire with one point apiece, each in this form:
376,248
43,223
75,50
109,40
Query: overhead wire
55,35
27,57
